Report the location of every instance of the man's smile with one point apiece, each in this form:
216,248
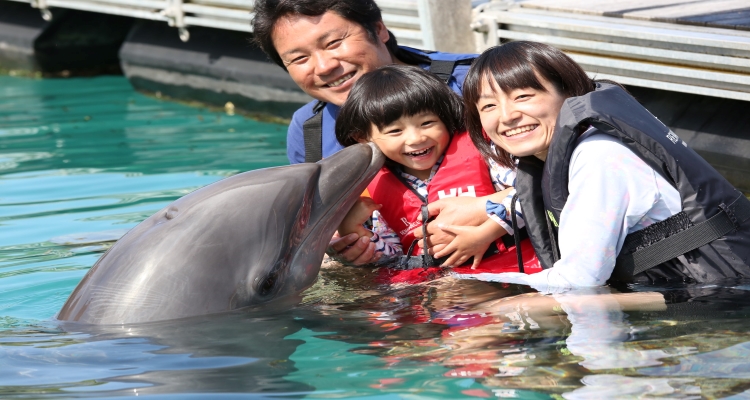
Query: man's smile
340,81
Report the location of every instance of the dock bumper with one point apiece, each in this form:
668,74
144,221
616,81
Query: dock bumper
214,67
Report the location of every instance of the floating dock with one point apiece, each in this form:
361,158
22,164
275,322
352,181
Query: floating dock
193,49
688,61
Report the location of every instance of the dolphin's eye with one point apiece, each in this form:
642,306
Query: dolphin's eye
267,285
171,212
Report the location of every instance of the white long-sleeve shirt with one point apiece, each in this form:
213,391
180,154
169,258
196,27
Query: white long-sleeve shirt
612,193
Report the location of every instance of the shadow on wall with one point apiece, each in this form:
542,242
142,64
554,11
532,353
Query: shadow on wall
72,43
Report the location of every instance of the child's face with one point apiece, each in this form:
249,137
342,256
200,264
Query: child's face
416,142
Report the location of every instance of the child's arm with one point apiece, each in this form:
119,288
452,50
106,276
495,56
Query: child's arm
470,241
356,217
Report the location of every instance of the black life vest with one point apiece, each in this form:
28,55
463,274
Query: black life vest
708,240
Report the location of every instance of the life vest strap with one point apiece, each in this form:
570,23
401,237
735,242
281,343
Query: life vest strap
312,133
408,261
642,252
516,233
443,69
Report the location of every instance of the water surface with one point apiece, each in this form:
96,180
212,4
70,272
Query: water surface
83,160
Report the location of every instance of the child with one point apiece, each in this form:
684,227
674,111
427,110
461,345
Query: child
417,122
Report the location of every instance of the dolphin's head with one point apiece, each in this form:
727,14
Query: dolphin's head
335,184
243,241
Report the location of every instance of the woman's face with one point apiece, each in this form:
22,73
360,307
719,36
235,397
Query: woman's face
521,122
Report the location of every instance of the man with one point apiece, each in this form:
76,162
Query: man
325,46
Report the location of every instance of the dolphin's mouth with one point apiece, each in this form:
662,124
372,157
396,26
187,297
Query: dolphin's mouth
343,178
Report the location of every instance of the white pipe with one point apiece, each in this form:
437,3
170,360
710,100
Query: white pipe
674,87
114,10
220,24
149,4
217,12
425,22
658,32
740,81
634,52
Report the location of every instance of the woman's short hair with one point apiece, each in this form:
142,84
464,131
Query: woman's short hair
518,65
383,96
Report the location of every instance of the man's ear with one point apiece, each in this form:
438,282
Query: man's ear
382,31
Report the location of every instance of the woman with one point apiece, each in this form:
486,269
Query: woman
606,189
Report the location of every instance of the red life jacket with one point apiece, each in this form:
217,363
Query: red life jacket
463,172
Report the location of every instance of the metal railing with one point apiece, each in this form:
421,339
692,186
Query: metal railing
688,59
405,18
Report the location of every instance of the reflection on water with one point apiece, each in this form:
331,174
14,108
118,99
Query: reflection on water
84,160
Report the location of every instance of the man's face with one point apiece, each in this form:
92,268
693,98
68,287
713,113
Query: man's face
326,54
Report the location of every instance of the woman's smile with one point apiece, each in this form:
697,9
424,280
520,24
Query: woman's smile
519,130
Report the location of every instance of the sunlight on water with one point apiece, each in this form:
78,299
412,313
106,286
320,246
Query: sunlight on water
83,160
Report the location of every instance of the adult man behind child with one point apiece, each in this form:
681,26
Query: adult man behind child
325,46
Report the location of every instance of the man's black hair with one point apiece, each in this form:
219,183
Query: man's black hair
383,96
362,12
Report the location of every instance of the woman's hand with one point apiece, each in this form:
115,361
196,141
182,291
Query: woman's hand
456,211
469,241
451,211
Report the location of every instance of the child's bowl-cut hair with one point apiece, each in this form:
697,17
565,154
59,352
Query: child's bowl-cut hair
383,96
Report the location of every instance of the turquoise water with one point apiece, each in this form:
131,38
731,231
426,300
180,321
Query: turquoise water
82,160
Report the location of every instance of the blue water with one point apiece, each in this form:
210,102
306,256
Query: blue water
82,160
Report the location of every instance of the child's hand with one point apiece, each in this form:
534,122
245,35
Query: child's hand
470,241
356,217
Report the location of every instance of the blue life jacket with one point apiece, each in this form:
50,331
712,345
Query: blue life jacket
318,119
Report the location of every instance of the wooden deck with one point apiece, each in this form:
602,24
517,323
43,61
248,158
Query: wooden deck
727,14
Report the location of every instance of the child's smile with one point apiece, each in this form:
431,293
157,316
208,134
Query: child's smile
420,153
416,142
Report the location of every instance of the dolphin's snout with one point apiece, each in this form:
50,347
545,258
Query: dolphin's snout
349,170
343,178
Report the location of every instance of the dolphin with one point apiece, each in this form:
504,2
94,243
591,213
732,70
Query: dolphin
246,240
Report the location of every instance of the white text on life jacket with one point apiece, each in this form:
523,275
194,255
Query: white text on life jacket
457,192
409,226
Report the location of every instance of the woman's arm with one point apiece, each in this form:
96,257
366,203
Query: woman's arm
472,211
612,193
469,241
